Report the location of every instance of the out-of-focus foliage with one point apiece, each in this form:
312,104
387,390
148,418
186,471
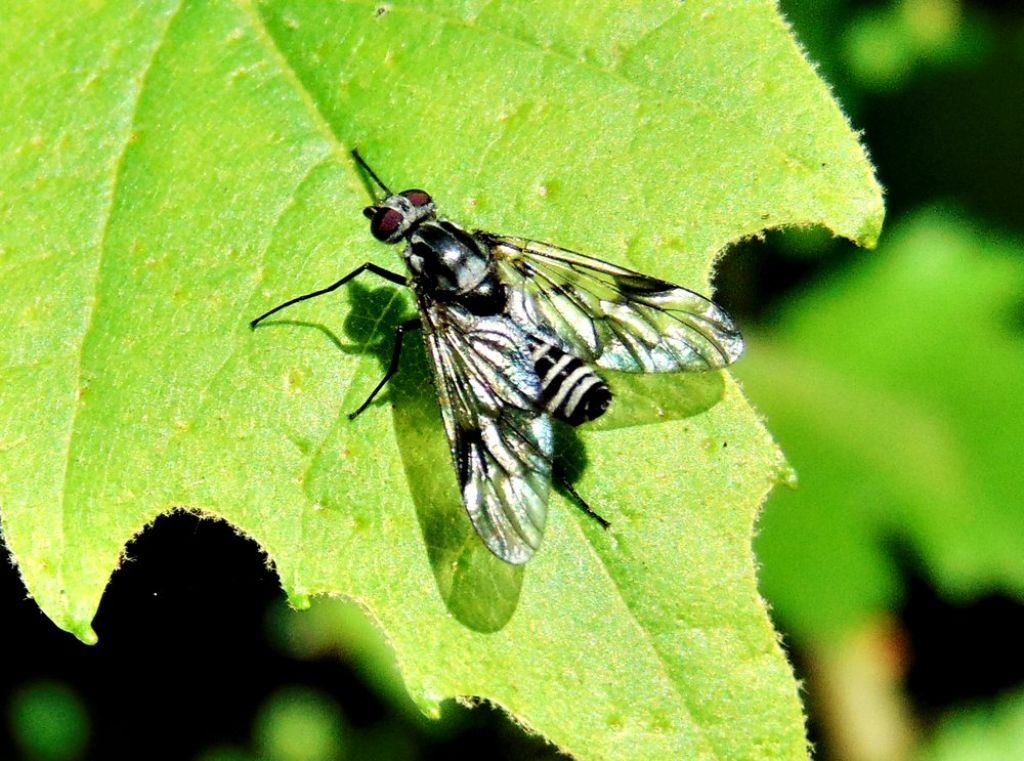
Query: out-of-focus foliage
300,724
340,628
226,753
49,721
890,380
890,388
885,45
871,48
993,732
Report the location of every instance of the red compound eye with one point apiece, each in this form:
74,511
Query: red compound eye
417,197
385,223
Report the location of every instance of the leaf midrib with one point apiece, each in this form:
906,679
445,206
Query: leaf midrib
90,324
335,149
324,127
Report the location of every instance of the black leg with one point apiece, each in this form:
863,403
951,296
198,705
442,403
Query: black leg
359,159
379,271
580,502
396,353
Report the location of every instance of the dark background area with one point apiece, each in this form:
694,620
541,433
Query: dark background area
184,661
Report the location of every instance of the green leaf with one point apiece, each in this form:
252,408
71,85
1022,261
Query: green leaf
890,389
177,168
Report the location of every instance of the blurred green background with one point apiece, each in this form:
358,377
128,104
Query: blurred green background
890,378
895,570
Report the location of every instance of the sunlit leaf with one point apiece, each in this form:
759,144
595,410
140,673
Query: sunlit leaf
173,169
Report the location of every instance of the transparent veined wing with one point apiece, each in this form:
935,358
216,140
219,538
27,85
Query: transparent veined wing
498,432
611,316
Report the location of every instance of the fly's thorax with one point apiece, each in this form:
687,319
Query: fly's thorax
448,264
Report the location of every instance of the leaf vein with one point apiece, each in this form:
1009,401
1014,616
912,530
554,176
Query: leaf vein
101,244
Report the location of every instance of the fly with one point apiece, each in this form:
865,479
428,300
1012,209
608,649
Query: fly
517,332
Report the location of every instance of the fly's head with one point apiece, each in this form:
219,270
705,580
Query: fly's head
398,214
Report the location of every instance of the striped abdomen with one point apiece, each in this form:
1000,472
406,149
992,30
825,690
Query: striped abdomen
572,391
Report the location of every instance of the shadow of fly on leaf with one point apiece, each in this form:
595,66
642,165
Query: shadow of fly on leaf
478,588
516,333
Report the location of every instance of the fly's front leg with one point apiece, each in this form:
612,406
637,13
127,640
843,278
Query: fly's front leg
388,275
396,353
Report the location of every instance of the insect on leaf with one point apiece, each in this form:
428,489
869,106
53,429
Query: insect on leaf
175,168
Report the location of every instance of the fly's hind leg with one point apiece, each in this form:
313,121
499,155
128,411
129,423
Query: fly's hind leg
581,503
396,354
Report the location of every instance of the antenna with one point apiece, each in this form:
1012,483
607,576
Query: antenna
359,159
